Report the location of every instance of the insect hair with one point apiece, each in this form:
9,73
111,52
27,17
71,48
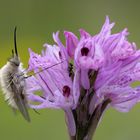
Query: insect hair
12,85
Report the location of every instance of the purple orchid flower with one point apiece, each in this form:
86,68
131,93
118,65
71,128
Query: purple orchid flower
55,83
86,77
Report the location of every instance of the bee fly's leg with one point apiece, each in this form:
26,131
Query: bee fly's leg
36,111
10,82
26,77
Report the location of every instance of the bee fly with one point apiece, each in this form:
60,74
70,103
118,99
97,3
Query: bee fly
12,80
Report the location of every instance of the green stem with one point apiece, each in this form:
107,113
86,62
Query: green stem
95,119
86,131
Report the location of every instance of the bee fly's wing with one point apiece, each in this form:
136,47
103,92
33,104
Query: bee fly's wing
19,98
20,102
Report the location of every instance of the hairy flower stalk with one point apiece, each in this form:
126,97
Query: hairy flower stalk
86,76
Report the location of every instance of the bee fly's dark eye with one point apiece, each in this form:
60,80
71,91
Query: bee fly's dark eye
17,64
14,62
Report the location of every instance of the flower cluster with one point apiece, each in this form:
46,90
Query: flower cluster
86,75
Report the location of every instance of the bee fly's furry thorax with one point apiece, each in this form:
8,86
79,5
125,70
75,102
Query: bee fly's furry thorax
12,80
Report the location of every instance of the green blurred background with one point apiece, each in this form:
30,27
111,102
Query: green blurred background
36,20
